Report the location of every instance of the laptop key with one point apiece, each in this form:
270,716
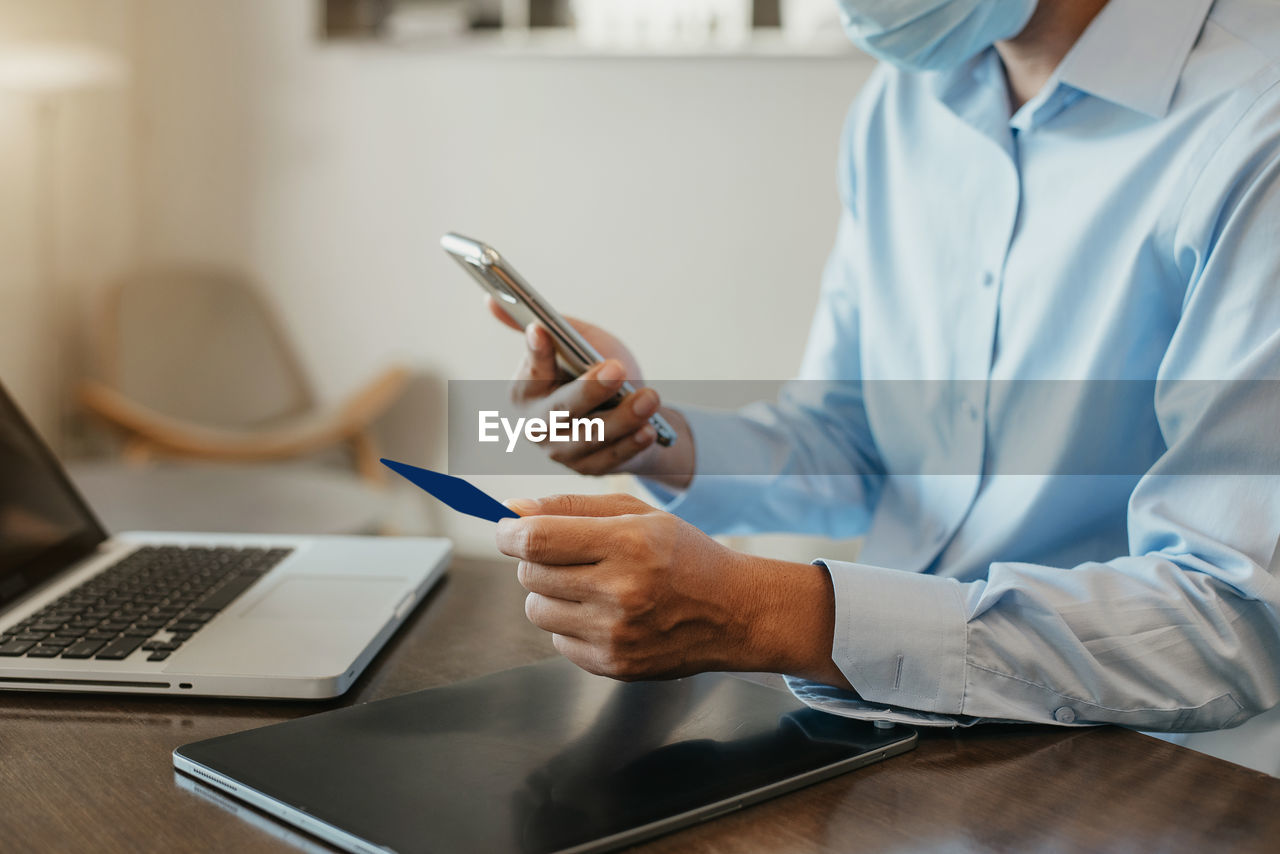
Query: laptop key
127,604
223,596
158,655
83,649
16,647
119,648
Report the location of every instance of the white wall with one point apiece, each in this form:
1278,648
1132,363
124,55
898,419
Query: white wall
66,170
687,204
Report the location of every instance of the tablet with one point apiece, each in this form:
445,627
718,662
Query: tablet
544,758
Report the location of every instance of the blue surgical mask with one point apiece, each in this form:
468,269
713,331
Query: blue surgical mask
932,35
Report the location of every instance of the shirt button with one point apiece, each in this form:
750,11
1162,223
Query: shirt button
988,279
1065,715
972,412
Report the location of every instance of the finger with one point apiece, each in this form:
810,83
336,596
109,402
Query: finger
618,504
582,653
554,540
619,423
542,353
538,373
570,583
555,615
590,391
602,340
613,458
496,309
584,328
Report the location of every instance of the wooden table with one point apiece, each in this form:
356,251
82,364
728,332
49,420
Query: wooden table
83,773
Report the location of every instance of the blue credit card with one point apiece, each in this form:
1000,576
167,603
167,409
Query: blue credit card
454,491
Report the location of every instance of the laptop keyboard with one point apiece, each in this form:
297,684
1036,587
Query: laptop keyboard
151,602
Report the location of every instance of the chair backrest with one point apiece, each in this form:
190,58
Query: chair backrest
199,344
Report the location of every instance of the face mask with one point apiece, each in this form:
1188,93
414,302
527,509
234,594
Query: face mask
932,35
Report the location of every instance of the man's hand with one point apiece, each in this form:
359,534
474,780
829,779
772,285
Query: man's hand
630,592
629,440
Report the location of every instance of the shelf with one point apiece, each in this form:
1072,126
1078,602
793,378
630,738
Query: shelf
551,42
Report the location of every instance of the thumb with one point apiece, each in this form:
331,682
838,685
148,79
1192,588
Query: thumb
500,313
579,505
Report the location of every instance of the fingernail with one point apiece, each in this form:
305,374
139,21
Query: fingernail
645,435
523,506
532,337
646,404
610,373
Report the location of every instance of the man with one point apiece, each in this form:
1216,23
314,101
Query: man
1066,215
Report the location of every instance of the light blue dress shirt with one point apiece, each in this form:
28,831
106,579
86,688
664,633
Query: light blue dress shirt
1122,228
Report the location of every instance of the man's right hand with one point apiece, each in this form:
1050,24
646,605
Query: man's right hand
629,439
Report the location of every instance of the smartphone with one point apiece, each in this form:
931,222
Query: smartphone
525,305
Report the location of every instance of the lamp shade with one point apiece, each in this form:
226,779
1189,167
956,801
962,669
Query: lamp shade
54,68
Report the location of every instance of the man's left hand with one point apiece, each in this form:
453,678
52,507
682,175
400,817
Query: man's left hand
631,592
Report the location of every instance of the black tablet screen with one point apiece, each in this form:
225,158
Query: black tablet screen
543,758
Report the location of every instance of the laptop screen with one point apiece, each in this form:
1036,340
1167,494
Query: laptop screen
44,524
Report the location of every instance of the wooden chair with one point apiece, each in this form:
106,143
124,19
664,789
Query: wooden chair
194,367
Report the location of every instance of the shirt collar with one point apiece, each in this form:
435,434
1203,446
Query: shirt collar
1133,52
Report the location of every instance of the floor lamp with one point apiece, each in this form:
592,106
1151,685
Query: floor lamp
44,74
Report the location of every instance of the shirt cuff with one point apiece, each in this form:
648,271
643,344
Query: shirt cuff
847,704
717,497
900,637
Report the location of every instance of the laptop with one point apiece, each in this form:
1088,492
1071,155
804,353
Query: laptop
539,759
226,615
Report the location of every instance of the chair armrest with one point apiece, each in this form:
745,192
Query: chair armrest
299,437
361,409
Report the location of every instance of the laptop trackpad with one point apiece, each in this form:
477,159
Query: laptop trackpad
328,597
